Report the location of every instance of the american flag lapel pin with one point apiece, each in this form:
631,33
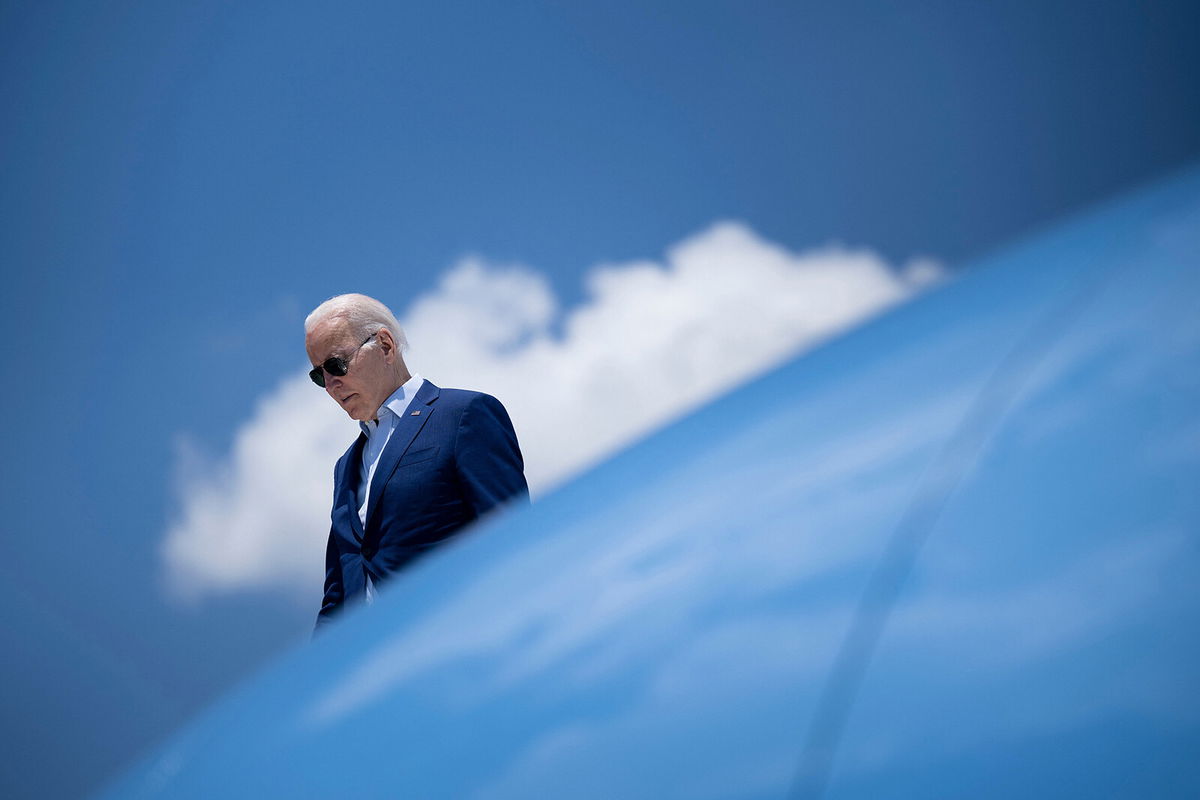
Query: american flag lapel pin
416,413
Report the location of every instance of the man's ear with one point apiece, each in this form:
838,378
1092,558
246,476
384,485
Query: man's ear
386,343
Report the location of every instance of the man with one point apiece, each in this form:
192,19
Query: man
428,462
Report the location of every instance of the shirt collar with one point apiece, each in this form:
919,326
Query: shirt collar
395,405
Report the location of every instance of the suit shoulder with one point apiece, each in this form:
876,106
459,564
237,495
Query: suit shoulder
461,398
349,450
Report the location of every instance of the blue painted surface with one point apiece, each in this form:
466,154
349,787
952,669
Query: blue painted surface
1000,478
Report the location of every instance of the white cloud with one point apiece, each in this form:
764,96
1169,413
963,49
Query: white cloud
653,340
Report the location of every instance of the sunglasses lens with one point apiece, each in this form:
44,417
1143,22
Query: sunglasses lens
333,365
336,366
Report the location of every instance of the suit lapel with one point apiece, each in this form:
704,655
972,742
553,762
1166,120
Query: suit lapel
406,430
348,471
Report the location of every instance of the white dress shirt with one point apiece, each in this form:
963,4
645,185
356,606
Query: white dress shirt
378,432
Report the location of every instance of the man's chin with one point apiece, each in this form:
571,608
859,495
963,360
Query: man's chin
358,409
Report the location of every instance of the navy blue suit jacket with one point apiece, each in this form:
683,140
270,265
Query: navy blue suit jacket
452,457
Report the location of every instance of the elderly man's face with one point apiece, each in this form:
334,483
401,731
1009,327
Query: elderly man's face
370,377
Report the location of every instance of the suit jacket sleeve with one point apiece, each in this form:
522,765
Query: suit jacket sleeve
487,456
334,593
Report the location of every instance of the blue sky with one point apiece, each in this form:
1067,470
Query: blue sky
182,184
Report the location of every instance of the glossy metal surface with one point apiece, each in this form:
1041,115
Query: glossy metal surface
955,553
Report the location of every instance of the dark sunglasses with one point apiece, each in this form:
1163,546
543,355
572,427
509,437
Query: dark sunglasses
336,365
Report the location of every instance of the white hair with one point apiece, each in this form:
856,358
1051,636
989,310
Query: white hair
365,315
